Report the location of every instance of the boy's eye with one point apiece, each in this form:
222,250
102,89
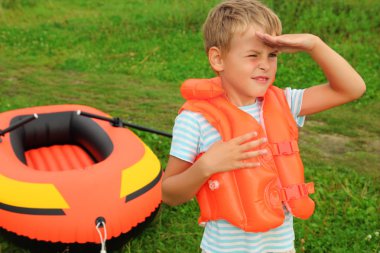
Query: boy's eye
273,55
253,55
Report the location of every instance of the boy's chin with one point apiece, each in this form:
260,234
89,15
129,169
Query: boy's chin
259,93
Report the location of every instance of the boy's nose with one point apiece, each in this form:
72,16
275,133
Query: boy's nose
263,65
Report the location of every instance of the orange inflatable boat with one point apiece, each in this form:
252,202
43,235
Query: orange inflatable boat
65,178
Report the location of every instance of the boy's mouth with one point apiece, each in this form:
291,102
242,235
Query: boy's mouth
261,79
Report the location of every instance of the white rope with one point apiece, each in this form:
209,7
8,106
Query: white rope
102,239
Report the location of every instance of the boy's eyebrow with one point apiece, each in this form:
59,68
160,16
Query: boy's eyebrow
273,50
253,51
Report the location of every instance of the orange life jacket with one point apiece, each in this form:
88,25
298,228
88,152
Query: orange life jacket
252,198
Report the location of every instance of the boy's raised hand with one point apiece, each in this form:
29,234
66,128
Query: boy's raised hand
343,83
290,43
228,155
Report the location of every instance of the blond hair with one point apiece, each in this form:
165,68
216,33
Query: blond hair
234,16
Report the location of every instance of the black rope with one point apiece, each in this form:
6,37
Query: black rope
18,124
119,123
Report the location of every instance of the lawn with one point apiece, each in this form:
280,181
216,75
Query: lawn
128,58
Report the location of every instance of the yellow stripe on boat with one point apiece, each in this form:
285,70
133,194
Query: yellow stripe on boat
140,174
30,195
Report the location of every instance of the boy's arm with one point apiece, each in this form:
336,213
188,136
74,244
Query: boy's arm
182,179
344,83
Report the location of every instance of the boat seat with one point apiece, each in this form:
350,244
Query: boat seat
58,158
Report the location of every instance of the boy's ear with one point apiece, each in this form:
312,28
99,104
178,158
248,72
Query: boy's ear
215,59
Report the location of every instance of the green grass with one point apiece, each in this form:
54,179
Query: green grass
128,58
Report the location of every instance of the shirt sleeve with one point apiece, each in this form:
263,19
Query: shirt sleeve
186,136
294,98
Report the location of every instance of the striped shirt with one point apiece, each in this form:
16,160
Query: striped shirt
192,134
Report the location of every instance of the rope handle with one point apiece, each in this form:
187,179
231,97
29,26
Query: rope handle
101,223
117,122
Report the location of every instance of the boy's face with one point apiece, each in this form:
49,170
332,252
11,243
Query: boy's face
248,68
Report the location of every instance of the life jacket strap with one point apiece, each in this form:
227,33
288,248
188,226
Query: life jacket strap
285,148
296,191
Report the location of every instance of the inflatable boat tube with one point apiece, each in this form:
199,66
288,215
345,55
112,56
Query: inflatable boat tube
62,173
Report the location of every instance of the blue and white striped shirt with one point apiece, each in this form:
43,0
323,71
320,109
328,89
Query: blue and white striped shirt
192,134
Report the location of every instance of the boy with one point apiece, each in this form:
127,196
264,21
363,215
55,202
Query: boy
242,39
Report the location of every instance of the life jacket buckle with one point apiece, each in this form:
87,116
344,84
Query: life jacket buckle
285,148
297,191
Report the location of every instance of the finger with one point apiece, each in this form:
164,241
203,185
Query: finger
241,165
245,137
264,36
276,41
268,39
251,154
252,144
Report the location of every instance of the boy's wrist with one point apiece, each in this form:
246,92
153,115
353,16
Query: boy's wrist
316,44
203,169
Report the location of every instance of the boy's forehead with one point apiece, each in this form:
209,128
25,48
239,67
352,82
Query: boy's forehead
250,30
248,38
248,33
